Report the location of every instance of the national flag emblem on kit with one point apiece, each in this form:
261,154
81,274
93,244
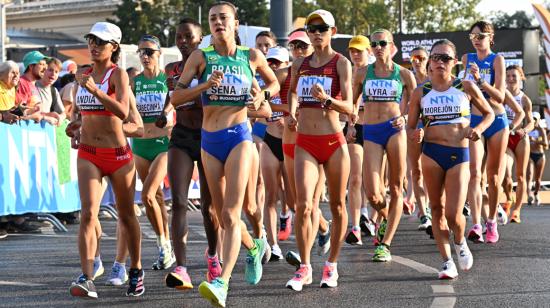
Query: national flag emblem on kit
327,71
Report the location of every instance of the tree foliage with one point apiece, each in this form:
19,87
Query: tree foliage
360,16
519,19
160,17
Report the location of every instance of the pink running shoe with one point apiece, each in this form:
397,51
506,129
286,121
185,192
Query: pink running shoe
301,278
214,267
179,279
476,234
330,277
492,232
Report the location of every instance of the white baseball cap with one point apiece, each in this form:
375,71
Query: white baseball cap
106,31
536,115
278,53
325,15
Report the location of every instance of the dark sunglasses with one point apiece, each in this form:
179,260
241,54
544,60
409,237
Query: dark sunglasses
298,45
479,36
441,57
96,40
418,58
275,62
381,43
146,52
315,28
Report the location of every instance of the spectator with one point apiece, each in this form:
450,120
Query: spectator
9,78
34,65
51,106
68,68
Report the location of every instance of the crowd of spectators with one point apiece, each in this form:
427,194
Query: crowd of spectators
38,90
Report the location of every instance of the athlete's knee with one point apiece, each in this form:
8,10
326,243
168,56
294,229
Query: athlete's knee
179,201
475,175
337,208
417,176
304,208
355,181
148,198
396,189
492,180
230,218
87,217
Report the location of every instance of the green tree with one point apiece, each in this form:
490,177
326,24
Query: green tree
160,17
519,19
363,16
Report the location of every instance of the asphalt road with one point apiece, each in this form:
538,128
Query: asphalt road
36,271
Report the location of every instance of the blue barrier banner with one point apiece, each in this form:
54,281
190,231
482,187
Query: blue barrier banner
29,174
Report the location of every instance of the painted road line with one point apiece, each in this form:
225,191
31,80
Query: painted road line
422,268
438,289
20,284
443,302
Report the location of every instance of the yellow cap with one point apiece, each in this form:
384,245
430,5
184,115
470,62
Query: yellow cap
359,42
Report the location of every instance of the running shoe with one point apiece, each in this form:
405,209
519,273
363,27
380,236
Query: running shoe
3,233
214,267
492,232
381,231
267,250
118,275
475,234
330,277
465,257
354,236
98,269
301,278
276,253
83,287
293,259
466,210
179,279
430,231
135,286
448,270
367,226
514,217
381,254
425,222
502,217
215,292
165,260
323,242
537,200
253,269
530,200
285,227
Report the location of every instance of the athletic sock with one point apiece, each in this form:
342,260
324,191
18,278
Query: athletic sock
331,264
97,259
287,215
365,212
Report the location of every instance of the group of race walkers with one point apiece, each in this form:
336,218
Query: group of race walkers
264,131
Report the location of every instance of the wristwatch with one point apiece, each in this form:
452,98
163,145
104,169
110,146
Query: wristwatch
327,102
480,82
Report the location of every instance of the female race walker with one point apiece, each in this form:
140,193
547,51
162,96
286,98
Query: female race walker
226,73
539,144
385,88
487,70
444,105
320,86
183,152
150,151
103,151
518,144
359,51
419,60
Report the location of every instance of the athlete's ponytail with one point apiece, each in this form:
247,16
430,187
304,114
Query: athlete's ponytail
115,56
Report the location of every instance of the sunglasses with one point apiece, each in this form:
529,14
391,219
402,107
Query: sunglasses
146,52
479,36
274,62
315,28
298,45
436,57
381,43
96,40
418,58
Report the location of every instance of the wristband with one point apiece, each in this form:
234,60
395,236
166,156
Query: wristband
480,82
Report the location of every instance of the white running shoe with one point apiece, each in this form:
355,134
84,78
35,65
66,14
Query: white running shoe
448,270
502,218
118,276
425,222
465,257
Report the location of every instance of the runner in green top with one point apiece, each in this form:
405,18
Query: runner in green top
237,77
151,150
